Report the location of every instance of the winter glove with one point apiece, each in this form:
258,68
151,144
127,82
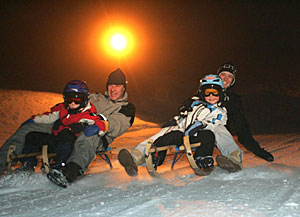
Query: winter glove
57,124
77,127
187,107
91,130
170,123
194,128
29,121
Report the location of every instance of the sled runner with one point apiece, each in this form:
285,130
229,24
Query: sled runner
185,148
13,158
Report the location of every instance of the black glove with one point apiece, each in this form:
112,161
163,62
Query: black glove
77,127
170,123
57,124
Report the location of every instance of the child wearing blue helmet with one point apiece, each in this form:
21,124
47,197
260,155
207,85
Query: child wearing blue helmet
201,122
69,118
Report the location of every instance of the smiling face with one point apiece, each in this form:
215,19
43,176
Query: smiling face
73,105
115,91
227,78
211,99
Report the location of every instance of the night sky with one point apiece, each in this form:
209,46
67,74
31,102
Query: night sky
44,44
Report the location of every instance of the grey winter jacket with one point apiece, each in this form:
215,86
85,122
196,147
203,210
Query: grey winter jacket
120,113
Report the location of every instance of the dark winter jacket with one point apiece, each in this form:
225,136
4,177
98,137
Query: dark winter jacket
237,122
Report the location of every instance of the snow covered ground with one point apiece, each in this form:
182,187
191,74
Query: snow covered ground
260,189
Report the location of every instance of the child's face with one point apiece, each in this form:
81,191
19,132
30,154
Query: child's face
73,105
212,99
211,95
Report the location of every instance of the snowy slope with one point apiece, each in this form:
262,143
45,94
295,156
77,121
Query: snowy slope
260,189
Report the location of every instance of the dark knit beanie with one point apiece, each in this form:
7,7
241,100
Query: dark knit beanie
116,77
228,67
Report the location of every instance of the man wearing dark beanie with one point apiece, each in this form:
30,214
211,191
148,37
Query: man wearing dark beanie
117,77
116,84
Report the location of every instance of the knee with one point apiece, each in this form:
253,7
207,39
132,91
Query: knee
207,137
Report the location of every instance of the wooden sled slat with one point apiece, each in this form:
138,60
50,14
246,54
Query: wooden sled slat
187,148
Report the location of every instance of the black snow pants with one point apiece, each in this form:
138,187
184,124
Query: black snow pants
62,145
206,137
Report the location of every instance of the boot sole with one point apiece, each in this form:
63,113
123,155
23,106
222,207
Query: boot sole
203,172
57,178
127,162
226,164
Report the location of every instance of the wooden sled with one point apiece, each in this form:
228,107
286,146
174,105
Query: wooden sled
185,148
13,158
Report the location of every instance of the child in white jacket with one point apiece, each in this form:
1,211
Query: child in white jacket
203,121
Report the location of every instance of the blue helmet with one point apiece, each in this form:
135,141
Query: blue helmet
76,89
213,82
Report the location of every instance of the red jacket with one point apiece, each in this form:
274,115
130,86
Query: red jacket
87,115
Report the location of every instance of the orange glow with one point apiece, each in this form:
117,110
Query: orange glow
134,50
118,41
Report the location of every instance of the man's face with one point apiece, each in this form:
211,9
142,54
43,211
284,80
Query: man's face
227,78
115,91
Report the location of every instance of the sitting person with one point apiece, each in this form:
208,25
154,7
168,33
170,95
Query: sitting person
69,119
236,118
201,121
112,106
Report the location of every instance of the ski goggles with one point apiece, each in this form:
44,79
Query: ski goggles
209,91
69,100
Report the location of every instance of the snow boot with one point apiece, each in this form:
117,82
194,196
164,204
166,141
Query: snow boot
205,164
72,171
127,161
232,163
26,167
262,153
57,177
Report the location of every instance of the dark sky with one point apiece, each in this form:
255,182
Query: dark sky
44,44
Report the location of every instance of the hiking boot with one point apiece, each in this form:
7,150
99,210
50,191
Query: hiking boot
26,167
228,164
127,161
71,171
262,153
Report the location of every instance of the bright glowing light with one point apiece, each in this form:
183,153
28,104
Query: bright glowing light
118,42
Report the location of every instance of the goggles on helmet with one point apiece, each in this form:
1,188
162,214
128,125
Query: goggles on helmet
209,91
75,100
78,98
